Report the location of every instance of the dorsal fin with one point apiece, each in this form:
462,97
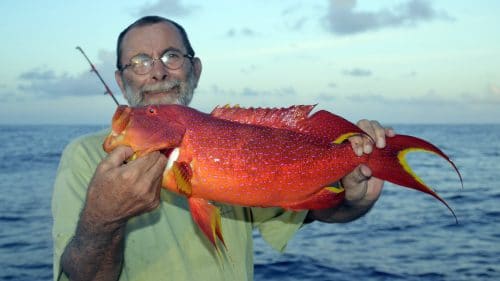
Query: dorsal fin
281,118
322,124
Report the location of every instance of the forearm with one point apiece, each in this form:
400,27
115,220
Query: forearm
346,212
95,252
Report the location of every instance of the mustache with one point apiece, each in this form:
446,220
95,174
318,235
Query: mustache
161,86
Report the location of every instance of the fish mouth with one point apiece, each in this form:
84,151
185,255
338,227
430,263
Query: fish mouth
165,151
171,153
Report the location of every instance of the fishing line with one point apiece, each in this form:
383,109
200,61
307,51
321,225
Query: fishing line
108,91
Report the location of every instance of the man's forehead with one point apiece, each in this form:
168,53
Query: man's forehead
151,38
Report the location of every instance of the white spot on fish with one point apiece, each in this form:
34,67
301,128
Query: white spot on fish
174,155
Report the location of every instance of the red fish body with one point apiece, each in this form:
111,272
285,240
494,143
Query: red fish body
257,157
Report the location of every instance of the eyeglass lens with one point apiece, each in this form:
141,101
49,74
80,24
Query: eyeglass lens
142,63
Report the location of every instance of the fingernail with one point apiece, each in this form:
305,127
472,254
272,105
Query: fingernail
380,143
367,148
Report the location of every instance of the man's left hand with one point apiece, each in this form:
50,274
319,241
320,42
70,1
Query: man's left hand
361,189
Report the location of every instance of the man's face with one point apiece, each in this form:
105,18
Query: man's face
161,85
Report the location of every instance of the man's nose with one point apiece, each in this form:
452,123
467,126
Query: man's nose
159,71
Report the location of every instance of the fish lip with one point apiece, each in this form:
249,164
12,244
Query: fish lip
163,150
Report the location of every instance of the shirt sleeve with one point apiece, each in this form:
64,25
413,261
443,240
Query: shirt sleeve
76,168
276,225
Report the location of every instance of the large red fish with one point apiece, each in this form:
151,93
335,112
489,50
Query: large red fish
258,157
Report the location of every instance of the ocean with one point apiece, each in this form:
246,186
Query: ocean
407,236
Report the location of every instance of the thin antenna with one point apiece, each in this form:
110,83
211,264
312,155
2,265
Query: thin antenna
108,91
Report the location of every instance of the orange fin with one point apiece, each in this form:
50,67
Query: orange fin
326,125
322,124
390,163
207,217
183,173
327,197
280,118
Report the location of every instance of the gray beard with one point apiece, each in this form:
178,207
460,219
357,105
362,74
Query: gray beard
186,91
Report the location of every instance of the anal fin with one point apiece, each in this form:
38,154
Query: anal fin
207,217
327,197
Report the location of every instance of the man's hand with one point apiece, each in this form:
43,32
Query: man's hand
120,191
361,189
116,193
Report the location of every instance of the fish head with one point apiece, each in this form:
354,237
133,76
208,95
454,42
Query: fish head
145,129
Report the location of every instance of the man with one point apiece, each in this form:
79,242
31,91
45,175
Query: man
113,220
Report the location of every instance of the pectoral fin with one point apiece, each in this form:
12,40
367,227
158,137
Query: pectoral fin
182,173
207,217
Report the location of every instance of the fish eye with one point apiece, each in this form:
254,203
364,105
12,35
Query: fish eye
151,110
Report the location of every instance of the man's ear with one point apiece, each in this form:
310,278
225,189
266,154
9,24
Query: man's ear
197,69
119,81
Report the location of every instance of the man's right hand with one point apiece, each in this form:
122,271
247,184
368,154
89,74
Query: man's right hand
116,193
120,191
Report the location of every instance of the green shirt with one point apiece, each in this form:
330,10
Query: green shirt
165,244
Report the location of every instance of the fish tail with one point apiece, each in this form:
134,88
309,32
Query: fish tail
390,164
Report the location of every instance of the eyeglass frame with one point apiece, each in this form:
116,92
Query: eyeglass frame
184,56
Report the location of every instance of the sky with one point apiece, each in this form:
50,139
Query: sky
395,61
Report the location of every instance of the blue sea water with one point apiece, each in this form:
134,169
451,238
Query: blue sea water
407,235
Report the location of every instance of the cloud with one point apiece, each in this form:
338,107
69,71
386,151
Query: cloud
494,89
206,98
357,72
298,23
167,8
248,69
491,96
342,17
326,97
410,74
247,32
432,98
37,74
294,15
332,85
43,82
431,106
256,93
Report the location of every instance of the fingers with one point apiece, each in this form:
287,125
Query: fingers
145,163
356,183
116,157
357,145
389,132
361,188
158,167
148,170
152,176
119,191
358,175
363,144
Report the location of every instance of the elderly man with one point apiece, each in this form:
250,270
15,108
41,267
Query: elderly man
113,221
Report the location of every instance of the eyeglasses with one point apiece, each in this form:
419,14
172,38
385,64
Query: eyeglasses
143,64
